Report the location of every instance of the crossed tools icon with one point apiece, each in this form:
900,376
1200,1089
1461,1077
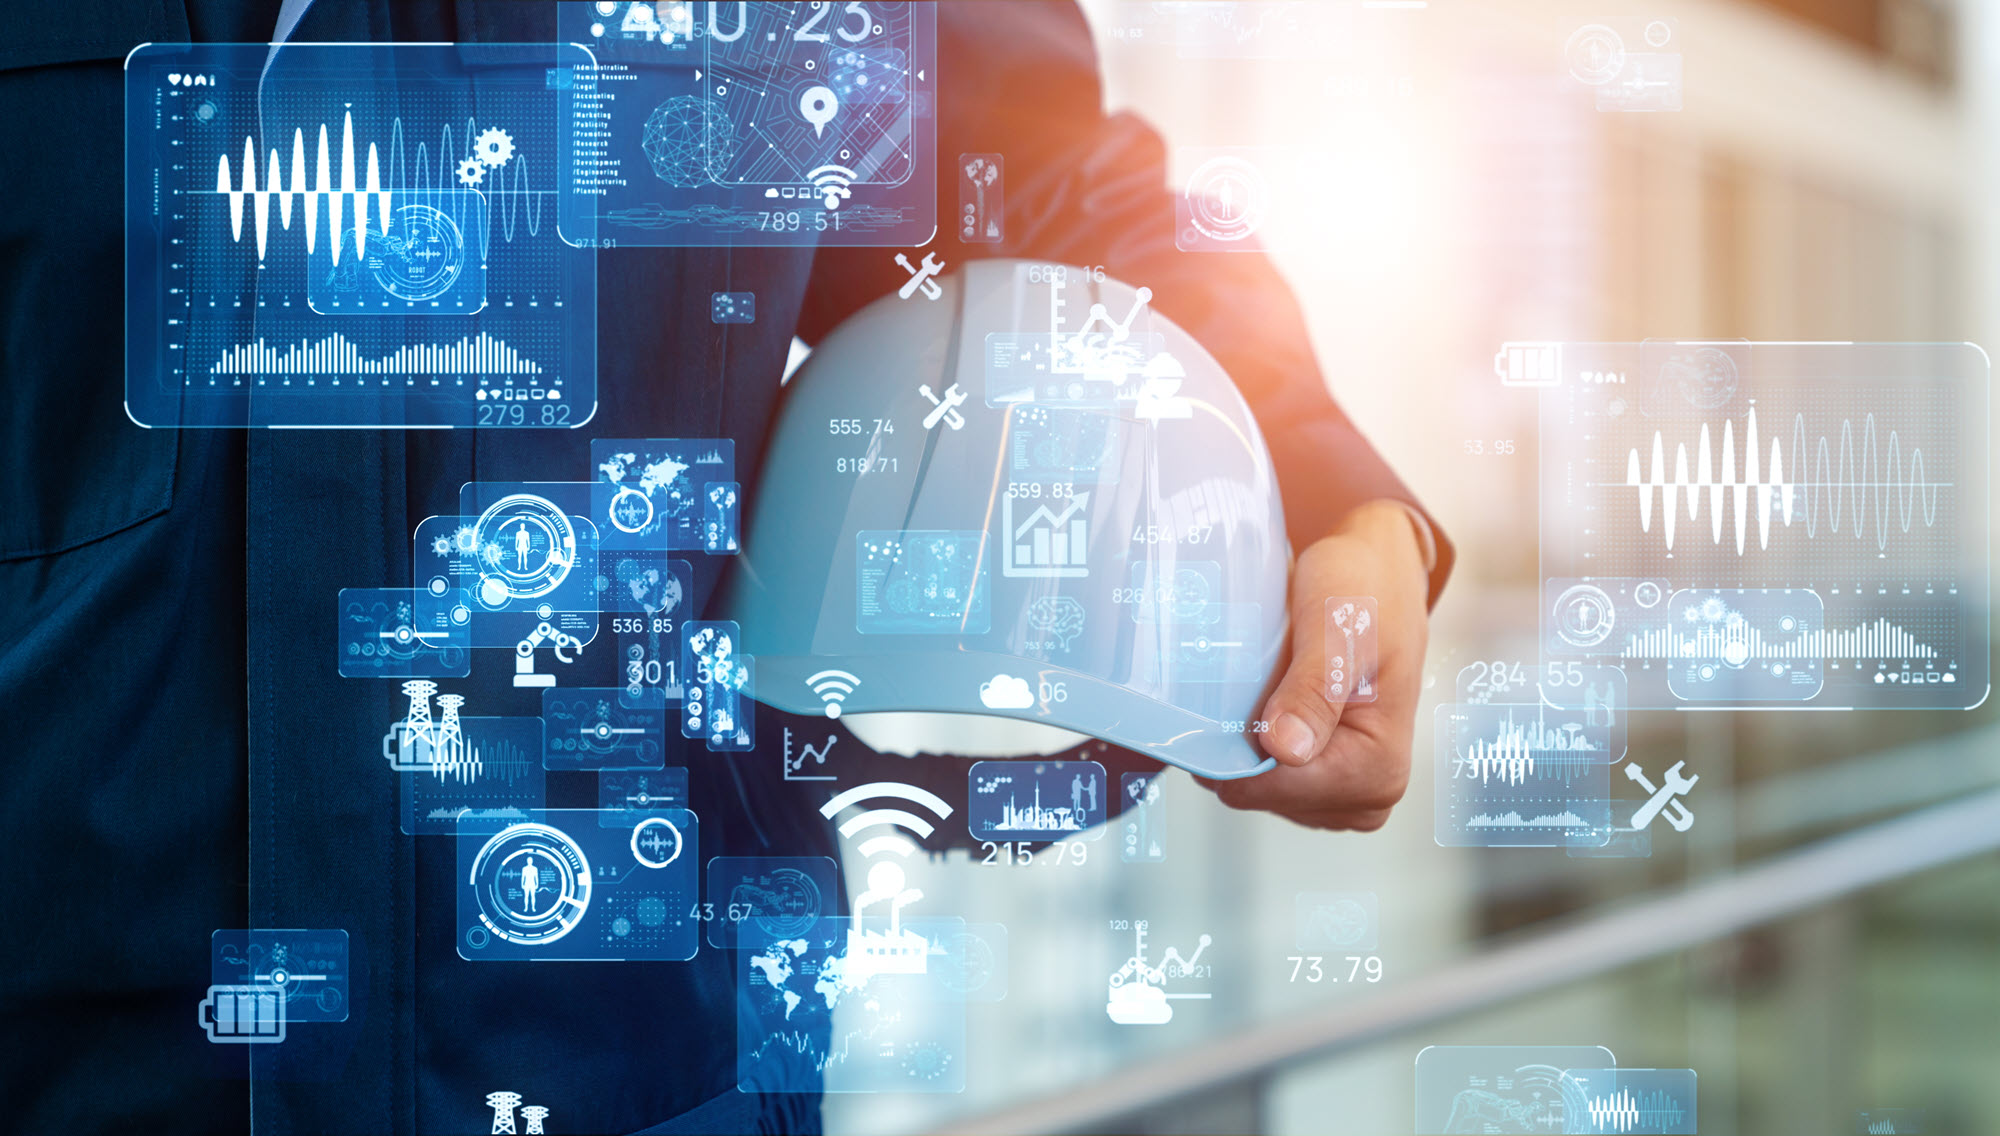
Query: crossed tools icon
920,276
1664,797
947,408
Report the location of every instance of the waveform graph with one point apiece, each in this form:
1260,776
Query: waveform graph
1630,1102
350,238
1858,472
1625,1111
1521,776
352,213
493,779
1857,478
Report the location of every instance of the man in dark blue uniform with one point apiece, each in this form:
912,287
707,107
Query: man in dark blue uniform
183,757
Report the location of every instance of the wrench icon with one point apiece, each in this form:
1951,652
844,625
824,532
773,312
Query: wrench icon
947,410
1663,798
920,276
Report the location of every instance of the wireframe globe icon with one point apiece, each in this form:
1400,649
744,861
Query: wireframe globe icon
687,140
1706,377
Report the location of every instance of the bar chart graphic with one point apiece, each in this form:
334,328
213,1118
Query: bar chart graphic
1049,543
480,354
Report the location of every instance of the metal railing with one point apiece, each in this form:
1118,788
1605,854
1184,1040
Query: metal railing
1649,927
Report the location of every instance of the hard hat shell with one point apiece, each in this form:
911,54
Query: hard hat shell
1030,496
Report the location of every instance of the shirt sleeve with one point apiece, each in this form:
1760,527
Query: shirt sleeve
1082,187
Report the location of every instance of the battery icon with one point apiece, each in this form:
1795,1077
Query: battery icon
1529,364
243,1014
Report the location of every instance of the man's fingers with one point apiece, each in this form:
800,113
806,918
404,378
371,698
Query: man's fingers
1353,775
1301,717
1270,792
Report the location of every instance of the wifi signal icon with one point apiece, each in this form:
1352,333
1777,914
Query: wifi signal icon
832,183
833,687
893,818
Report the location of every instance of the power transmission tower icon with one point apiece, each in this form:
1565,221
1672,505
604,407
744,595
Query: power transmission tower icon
503,1106
420,744
534,1114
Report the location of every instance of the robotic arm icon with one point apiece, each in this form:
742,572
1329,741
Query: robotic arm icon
524,654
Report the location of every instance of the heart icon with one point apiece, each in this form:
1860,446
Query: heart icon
174,79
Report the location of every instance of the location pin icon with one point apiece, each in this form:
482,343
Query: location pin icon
818,105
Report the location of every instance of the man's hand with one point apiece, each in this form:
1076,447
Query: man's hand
1345,766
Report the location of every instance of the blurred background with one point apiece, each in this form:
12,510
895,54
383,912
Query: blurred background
1822,943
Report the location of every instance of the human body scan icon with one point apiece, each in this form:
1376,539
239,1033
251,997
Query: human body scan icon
565,885
527,547
532,883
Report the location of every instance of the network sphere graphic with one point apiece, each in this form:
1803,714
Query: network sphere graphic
1706,377
686,138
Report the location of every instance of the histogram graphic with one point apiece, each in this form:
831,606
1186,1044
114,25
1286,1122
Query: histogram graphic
1565,820
337,355
1891,1121
349,237
1835,497
1879,639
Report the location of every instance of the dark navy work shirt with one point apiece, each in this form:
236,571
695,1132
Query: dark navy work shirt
177,752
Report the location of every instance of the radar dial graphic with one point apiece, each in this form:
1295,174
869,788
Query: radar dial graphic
969,963
784,905
1584,615
1226,198
526,548
1706,376
421,256
1595,53
532,883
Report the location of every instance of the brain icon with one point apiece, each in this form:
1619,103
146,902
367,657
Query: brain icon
688,140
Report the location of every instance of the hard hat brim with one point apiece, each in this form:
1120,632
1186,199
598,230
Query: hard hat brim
1058,696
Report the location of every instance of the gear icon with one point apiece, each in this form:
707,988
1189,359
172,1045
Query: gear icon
493,147
471,172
